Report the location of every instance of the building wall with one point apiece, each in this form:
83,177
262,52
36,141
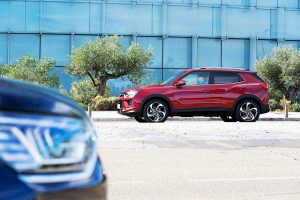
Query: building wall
183,33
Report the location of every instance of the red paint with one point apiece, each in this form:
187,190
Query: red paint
202,96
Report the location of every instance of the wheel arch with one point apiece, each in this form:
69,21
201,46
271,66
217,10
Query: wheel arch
247,96
157,96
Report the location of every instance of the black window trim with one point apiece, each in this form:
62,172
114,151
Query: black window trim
212,74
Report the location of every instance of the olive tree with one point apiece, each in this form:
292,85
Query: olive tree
105,59
29,69
281,70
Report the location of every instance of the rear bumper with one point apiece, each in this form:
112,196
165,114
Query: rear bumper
97,192
265,108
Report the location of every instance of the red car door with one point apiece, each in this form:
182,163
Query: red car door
226,87
195,94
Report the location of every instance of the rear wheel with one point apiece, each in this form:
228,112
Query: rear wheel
247,111
228,118
155,111
139,119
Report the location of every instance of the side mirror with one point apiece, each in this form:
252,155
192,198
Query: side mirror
180,83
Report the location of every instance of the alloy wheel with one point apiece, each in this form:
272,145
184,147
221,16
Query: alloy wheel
156,112
248,111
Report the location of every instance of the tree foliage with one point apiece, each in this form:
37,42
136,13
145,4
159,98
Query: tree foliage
281,70
31,70
106,58
83,92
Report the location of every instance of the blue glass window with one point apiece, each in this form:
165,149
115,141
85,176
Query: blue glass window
95,18
213,2
291,3
238,22
3,49
65,79
156,44
265,47
57,47
79,40
32,16
24,44
292,26
17,16
65,17
262,26
267,3
177,53
4,15
235,54
238,2
135,18
190,20
209,52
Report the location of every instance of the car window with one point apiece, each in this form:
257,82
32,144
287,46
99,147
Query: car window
196,78
226,78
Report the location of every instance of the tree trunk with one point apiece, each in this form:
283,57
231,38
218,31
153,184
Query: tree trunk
101,87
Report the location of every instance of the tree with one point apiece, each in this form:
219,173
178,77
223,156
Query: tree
29,69
105,59
281,70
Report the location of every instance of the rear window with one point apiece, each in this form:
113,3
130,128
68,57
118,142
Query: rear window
226,78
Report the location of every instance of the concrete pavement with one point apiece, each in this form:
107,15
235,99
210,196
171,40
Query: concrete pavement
271,116
205,160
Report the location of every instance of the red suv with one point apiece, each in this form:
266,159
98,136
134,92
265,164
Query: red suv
232,94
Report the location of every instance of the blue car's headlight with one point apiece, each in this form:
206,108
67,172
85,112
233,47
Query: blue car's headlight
33,144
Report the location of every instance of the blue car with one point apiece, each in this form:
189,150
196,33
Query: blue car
47,146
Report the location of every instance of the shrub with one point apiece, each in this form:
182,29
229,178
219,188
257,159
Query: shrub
295,107
274,104
100,103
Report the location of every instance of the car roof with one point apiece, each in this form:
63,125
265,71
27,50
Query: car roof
215,69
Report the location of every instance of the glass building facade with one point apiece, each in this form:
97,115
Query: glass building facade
183,33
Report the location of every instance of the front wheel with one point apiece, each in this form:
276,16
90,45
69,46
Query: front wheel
247,111
155,111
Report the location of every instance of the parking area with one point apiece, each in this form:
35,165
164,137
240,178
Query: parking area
201,160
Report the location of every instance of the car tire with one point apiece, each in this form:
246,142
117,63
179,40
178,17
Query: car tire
155,111
247,111
139,119
227,118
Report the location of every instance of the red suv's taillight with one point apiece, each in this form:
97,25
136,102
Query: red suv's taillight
264,85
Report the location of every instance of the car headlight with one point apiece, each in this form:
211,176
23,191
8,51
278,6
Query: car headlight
131,93
40,144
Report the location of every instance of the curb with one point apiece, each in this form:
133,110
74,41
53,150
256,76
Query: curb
190,119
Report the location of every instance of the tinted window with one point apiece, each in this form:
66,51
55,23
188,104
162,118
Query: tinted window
196,78
224,78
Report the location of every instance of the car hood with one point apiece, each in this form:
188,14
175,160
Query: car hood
17,96
146,87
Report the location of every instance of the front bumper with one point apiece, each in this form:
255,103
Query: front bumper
128,107
129,113
98,192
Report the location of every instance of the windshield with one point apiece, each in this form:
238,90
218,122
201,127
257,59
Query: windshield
173,77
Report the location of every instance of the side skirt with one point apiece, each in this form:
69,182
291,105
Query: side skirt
208,112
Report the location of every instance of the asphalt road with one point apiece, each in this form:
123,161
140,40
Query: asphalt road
201,160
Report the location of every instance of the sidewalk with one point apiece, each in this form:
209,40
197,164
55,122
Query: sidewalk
99,116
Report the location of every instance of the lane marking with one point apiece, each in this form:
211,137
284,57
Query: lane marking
244,179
